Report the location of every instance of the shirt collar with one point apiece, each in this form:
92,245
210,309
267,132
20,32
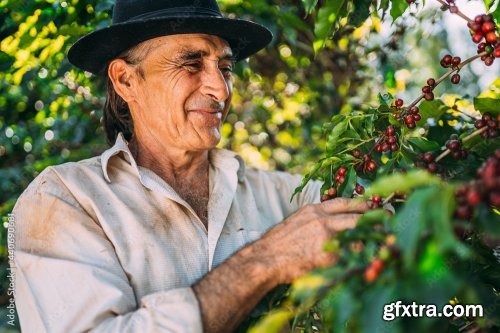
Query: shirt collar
220,158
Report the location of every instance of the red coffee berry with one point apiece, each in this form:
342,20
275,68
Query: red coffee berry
480,123
431,82
409,119
372,166
429,96
496,53
411,125
399,102
456,61
492,133
376,198
494,199
487,18
332,192
447,60
487,27
426,89
479,19
394,147
473,197
491,37
463,212
456,155
416,117
378,148
390,130
391,140
414,110
385,147
453,9
427,157
455,78
342,171
474,26
341,180
488,61
492,123
378,265
324,197
356,153
477,37
359,189
487,116
433,167
370,275
481,47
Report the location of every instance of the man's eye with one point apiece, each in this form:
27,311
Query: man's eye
193,66
226,69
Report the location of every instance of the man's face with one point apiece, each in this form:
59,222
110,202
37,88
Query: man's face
186,91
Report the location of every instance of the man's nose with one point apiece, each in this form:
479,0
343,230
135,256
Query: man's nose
214,84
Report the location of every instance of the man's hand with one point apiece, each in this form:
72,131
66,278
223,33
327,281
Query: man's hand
295,246
286,252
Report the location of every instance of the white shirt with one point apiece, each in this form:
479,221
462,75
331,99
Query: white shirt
104,245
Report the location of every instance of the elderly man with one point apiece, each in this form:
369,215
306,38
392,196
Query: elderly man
164,232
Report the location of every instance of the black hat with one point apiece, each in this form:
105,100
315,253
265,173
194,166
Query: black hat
135,21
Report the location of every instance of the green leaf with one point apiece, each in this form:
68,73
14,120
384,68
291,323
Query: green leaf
491,105
327,16
335,134
410,222
273,322
431,109
400,182
6,61
423,144
361,12
398,7
309,5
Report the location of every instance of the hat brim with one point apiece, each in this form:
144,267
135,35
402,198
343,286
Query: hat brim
93,51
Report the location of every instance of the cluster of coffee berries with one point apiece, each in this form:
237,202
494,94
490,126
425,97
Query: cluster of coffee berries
426,161
455,146
413,116
388,141
427,90
373,270
486,188
492,52
484,27
487,121
331,193
366,164
340,176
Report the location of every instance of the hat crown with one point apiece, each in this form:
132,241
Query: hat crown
129,10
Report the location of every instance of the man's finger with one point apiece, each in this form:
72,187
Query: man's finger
341,222
344,205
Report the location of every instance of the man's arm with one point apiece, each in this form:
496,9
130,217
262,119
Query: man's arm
289,250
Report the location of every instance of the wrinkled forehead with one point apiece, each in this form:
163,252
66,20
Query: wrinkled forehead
202,45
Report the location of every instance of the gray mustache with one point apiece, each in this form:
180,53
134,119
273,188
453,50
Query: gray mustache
213,105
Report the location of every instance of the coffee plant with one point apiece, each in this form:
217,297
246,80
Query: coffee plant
431,173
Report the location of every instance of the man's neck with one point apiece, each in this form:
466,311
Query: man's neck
186,172
172,165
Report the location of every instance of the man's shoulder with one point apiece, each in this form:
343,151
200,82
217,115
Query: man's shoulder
56,179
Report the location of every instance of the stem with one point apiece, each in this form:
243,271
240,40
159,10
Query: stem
389,197
467,138
445,75
459,13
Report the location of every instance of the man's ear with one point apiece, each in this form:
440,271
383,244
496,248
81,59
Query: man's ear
123,76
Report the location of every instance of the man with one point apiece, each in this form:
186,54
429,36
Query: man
150,236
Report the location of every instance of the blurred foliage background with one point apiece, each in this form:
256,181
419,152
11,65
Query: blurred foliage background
50,112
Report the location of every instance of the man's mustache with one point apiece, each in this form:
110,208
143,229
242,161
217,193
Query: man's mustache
206,105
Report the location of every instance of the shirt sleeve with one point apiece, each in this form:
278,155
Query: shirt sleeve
69,278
